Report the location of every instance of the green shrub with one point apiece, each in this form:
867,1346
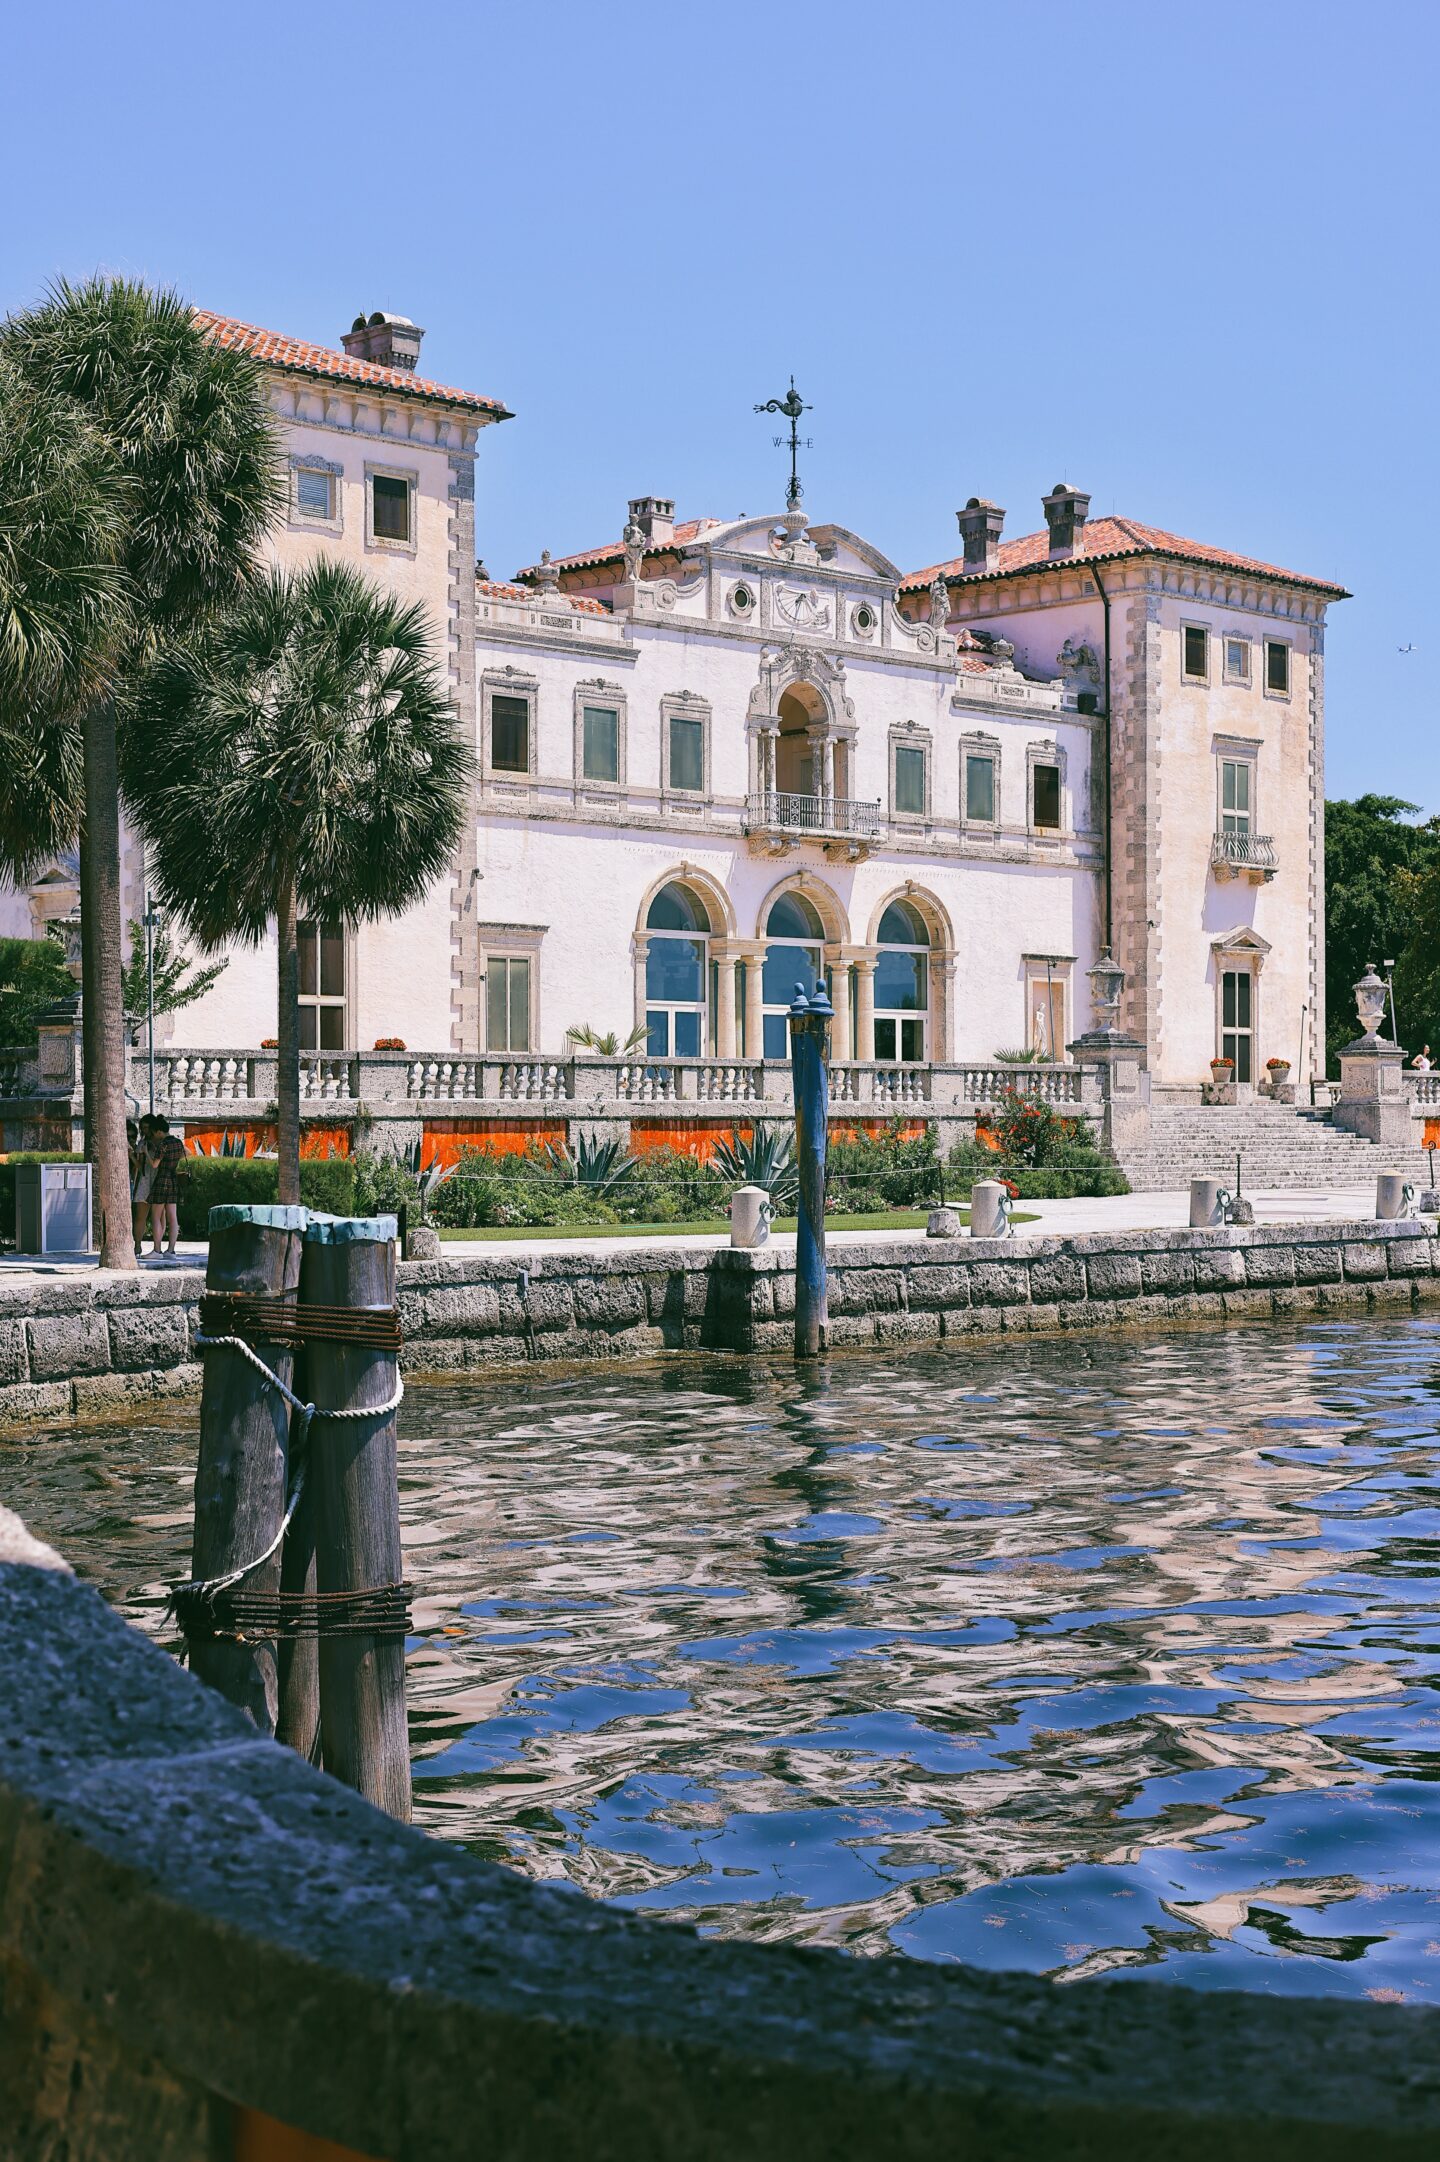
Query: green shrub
7,1182
383,1184
1074,1169
892,1170
326,1183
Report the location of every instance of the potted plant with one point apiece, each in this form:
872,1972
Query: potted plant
608,1044
390,1043
1278,1069
1221,1068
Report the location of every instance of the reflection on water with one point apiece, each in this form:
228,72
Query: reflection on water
1073,1658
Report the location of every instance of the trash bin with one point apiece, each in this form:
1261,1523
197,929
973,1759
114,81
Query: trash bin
52,1209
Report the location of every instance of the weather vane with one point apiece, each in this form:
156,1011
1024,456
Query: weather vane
792,407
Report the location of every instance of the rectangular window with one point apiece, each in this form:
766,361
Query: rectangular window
1234,795
980,789
322,986
687,754
910,781
510,734
1237,660
1277,665
1236,1026
390,507
1045,789
1197,653
507,1003
314,492
601,730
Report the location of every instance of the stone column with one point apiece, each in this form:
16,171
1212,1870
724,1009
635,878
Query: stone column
837,961
816,738
724,958
942,1008
865,1008
1117,1062
753,955
641,949
827,772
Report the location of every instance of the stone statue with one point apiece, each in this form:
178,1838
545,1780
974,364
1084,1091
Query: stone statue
549,577
1079,664
633,541
939,603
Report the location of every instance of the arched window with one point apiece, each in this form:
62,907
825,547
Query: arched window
793,954
902,984
676,973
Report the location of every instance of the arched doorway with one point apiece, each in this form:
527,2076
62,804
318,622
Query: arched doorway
677,973
794,953
902,986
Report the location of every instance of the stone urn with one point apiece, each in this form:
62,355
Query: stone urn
1221,1070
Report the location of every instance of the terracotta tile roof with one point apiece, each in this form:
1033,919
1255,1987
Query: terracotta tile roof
687,530
500,589
1107,538
278,351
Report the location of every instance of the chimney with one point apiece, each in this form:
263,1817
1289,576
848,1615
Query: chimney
980,524
655,518
1066,510
392,341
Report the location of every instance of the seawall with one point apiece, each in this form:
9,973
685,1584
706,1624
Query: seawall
92,1346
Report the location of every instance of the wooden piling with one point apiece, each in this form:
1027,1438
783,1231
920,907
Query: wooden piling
354,1487
241,1470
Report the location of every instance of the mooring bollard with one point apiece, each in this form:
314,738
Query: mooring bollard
1394,1197
353,1478
989,1209
810,1020
241,1472
1206,1209
943,1223
751,1211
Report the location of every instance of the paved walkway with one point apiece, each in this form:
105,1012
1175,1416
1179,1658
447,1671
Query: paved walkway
1117,1212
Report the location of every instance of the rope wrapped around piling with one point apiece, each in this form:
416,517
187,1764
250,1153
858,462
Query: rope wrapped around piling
264,1319
228,1610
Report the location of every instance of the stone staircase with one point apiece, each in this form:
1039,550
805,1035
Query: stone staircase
1279,1145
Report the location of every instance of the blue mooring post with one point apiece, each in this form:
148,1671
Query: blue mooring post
810,1020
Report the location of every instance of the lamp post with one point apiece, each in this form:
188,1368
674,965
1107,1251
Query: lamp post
152,918
810,1020
1389,968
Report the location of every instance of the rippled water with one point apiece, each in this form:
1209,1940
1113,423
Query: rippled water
1073,1657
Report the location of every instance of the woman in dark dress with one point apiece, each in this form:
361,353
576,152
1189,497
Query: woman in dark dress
167,1153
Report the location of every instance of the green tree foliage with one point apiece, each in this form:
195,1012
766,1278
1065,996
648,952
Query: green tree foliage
178,980
1377,857
181,434
300,753
33,976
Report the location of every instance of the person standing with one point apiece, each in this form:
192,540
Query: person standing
1421,1060
167,1153
142,1170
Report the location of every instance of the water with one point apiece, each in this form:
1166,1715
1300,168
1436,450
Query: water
1073,1658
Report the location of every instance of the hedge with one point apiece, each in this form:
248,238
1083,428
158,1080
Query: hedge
326,1183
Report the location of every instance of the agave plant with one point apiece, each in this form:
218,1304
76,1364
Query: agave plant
1021,1058
429,1178
228,1145
609,1045
765,1158
599,1166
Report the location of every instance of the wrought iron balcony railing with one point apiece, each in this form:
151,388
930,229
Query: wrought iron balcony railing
778,811
1236,855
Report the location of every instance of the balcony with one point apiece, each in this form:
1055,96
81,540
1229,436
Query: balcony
842,825
1244,855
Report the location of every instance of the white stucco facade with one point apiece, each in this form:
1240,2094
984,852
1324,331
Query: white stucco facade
712,758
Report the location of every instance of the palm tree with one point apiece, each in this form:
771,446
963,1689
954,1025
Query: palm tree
188,427
301,754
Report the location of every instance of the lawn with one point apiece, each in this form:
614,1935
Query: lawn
886,1220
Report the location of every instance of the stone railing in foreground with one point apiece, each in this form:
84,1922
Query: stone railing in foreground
98,1346
203,1941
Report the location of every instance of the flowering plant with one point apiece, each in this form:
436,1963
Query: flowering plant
1284,1062
390,1043
269,1043
1226,1063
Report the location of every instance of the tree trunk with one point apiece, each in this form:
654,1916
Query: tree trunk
287,1091
88,1037
104,1013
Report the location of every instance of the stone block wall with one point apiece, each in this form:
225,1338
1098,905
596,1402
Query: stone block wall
87,1347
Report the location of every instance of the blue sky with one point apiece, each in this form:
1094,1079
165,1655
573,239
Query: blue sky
1182,257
